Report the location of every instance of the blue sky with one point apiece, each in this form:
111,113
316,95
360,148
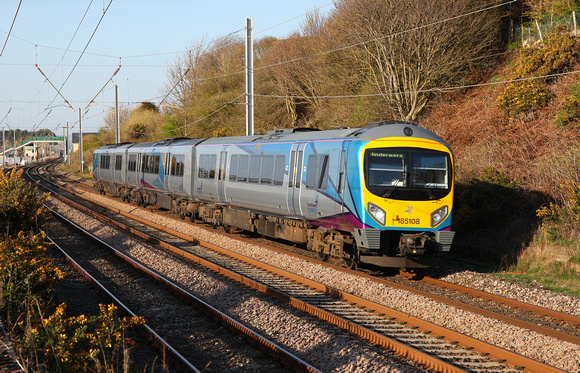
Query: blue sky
144,36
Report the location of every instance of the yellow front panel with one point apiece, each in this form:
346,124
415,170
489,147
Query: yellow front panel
408,215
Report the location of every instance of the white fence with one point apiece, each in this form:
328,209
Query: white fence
538,30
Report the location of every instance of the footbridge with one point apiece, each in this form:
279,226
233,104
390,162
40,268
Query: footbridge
32,149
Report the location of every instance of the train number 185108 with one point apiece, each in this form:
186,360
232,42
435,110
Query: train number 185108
408,221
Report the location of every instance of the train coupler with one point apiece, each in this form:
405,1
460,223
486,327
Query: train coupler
417,244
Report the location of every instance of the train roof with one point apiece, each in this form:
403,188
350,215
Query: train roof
372,131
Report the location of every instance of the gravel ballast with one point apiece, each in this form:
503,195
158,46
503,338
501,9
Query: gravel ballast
309,334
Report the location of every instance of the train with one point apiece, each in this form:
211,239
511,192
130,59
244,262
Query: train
380,194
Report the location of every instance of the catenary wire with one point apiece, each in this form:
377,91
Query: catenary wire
11,26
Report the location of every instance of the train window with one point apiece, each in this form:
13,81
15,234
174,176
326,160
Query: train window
132,164
317,171
430,170
205,161
267,170
233,167
205,166
212,165
279,169
105,162
145,164
243,168
299,170
291,169
408,173
200,166
118,162
177,165
154,165
254,168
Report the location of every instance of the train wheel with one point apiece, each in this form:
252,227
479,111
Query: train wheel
322,256
349,263
353,261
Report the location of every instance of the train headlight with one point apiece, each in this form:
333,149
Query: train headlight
377,213
438,215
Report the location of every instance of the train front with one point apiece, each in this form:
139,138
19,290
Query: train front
407,197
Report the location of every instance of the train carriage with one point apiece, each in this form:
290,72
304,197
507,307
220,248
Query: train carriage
381,194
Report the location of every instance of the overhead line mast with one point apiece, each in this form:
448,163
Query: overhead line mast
249,78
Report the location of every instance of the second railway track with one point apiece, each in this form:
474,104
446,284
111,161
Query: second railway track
413,337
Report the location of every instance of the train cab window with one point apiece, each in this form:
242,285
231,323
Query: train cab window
317,171
267,171
233,167
132,163
279,167
254,168
243,168
105,162
408,174
177,167
118,162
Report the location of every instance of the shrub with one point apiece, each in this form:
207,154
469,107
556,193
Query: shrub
556,55
561,221
570,109
522,96
21,207
25,269
74,344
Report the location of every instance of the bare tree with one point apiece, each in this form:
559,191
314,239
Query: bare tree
405,49
184,73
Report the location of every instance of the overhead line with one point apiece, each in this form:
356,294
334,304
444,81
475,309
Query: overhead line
101,90
3,119
11,26
87,45
57,90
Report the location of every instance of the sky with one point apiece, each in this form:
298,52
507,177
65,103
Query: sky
42,44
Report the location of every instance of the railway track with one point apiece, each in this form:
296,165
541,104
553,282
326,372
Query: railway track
192,330
552,323
381,323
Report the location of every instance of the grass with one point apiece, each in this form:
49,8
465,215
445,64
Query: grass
548,267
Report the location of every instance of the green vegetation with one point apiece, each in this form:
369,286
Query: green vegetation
44,338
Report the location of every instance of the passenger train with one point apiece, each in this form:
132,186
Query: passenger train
380,194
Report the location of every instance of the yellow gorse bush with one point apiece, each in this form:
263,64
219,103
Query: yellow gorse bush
28,277
556,55
21,207
85,343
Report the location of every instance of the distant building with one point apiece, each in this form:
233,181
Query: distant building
75,139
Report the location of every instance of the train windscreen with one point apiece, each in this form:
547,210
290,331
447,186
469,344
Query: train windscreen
407,173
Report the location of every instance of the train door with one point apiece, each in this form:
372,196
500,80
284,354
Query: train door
221,180
341,181
295,178
167,160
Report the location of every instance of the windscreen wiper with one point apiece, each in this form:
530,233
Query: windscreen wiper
422,181
400,178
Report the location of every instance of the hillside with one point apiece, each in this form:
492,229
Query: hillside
518,176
